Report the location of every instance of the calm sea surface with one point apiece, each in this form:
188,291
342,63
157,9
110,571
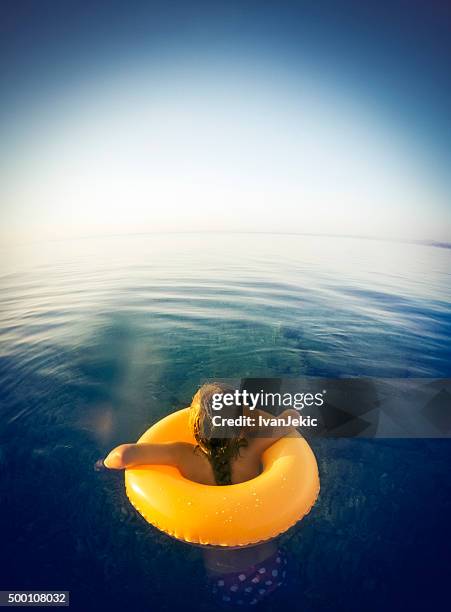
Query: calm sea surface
101,337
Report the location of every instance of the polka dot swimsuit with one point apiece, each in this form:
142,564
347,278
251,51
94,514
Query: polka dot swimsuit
250,586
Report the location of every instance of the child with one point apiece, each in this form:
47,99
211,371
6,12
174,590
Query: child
222,456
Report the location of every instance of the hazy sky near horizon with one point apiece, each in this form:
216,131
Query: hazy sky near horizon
321,117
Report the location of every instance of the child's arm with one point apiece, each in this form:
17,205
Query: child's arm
130,455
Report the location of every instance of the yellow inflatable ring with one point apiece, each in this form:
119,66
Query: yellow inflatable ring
230,515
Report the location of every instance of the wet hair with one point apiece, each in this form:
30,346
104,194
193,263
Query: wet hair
221,444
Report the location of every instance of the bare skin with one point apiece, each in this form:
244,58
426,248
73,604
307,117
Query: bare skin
192,463
226,560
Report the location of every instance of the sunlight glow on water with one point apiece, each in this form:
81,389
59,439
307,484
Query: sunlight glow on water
233,305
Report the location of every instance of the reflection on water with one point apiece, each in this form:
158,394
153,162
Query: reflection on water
100,337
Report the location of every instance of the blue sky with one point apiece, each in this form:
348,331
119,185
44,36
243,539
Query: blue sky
318,117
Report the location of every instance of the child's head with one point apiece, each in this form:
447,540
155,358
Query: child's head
220,443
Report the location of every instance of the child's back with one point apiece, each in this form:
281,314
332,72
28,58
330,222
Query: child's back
223,455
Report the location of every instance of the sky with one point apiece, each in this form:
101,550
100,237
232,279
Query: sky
307,117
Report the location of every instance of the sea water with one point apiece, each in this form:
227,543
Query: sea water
100,337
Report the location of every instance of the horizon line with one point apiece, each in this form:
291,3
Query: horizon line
425,242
